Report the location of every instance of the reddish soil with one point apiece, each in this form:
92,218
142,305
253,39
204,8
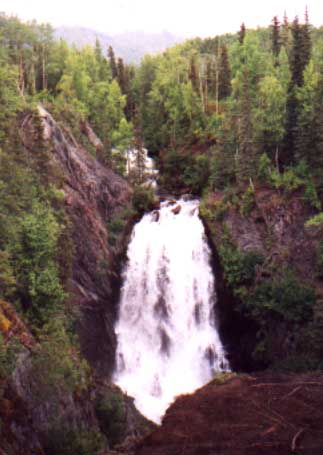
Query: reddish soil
260,414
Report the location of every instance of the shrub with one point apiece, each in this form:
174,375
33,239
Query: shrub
315,221
63,439
35,260
287,181
298,364
184,171
284,299
247,201
115,227
8,356
264,168
57,365
7,279
142,199
239,267
197,175
319,260
110,411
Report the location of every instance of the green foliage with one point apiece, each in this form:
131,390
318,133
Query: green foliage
117,224
8,356
4,360
288,181
37,270
142,199
247,200
180,170
7,278
298,364
110,410
264,168
316,220
64,439
285,298
319,260
196,176
56,365
239,267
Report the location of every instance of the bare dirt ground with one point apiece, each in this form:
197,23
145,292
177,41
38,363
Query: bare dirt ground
259,414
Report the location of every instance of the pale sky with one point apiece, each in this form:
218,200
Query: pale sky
181,17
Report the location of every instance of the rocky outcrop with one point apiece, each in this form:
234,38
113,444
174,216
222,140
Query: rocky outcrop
35,409
93,194
176,210
262,414
274,226
271,224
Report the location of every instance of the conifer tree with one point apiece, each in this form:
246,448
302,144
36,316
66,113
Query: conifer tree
98,50
139,174
121,75
193,75
306,44
224,74
300,56
113,65
285,33
129,74
275,38
301,51
315,158
242,33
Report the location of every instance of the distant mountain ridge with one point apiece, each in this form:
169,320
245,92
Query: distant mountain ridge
131,46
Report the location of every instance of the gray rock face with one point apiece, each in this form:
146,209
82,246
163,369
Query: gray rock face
94,194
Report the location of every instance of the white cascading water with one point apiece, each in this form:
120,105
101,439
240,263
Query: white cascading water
168,343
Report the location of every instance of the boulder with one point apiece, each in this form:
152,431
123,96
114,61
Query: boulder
176,210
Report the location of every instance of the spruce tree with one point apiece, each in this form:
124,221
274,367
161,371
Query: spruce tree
299,59
315,158
193,76
121,75
306,43
301,51
285,33
113,65
275,38
129,75
242,33
224,74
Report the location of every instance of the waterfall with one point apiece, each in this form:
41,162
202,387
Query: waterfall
168,342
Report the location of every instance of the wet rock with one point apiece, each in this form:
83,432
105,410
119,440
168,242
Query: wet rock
176,210
155,216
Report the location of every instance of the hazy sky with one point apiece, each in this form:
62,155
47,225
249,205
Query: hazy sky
181,17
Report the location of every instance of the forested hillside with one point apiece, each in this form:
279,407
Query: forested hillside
236,120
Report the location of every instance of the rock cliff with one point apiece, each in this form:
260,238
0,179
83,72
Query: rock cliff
270,226
93,195
33,413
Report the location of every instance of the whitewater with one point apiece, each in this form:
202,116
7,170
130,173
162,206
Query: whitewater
168,342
